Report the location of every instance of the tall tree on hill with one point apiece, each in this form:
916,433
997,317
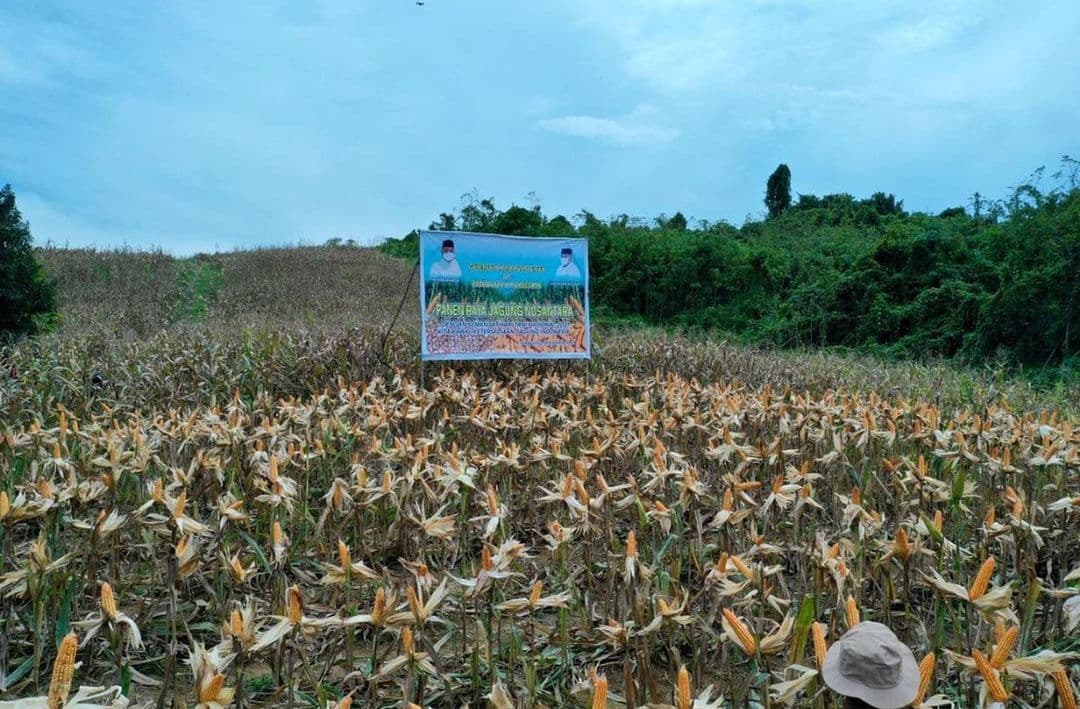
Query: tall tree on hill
25,294
778,191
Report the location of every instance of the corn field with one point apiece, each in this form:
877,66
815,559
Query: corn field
557,537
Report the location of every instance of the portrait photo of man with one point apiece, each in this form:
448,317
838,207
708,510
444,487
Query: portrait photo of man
447,267
568,270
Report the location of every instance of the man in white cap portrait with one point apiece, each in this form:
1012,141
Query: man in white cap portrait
447,267
870,667
568,270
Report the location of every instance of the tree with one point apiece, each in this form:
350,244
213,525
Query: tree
27,297
676,223
778,191
446,222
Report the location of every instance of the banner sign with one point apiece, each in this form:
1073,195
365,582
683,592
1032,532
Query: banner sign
485,296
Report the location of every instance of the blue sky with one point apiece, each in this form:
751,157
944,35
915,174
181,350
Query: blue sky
201,126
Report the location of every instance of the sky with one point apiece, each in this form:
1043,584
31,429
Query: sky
199,126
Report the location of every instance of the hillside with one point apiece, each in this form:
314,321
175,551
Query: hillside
140,293
127,314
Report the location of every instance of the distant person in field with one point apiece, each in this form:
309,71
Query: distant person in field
568,270
446,268
869,667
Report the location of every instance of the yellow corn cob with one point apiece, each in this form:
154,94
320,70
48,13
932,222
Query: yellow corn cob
237,569
926,674
236,623
902,545
181,502
108,601
534,595
742,567
210,691
378,611
631,545
746,640
599,697
1064,689
344,556
63,671
852,612
1003,647
345,703
5,504
295,605
820,648
999,629
982,579
722,562
991,676
407,640
682,698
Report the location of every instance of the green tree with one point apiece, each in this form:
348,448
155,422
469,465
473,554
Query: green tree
445,222
778,191
27,298
676,223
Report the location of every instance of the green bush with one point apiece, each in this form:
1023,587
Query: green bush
27,298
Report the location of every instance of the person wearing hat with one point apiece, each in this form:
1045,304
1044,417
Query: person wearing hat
870,667
568,270
446,268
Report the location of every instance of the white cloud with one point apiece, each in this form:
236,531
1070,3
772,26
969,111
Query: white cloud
682,46
634,128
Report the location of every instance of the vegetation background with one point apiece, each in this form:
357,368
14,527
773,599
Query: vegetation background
998,281
828,292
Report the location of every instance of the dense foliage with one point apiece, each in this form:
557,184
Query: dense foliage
1000,280
778,191
26,296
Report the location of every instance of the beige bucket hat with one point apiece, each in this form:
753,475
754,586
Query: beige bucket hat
870,663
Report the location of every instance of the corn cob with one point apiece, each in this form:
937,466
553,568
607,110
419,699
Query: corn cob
108,601
210,691
295,605
1064,689
818,631
926,674
683,699
599,697
63,671
852,612
993,680
982,579
1003,647
746,640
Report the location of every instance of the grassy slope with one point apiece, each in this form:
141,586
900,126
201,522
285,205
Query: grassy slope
139,293
324,291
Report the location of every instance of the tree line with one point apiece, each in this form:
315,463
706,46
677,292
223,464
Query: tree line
995,280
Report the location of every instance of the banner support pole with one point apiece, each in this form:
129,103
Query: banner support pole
386,335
